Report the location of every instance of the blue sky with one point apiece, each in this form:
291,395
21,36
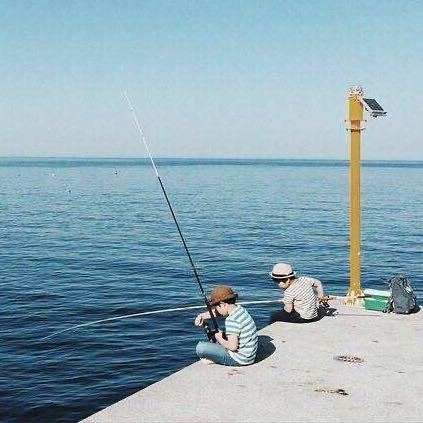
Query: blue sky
265,79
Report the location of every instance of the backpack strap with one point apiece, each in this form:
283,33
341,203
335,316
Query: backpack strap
389,306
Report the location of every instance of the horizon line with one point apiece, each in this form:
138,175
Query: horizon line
200,158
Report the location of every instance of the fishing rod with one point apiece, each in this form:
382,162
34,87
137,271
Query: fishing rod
166,310
210,332
147,313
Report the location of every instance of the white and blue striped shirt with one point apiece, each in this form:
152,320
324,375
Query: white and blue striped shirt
301,294
241,324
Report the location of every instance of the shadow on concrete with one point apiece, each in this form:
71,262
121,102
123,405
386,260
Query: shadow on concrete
265,348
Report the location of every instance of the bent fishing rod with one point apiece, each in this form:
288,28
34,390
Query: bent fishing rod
168,310
210,332
147,313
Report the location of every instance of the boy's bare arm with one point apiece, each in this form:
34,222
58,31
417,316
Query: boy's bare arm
203,316
319,288
231,343
288,307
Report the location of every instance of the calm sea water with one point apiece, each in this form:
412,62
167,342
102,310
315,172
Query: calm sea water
82,240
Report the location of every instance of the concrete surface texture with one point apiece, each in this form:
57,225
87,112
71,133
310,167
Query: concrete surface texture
298,378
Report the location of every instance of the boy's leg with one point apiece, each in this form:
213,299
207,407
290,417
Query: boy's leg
301,320
215,353
284,316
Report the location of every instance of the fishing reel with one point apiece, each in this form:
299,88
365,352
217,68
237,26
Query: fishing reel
323,303
210,333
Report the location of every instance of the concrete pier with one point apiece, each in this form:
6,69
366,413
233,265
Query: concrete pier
298,378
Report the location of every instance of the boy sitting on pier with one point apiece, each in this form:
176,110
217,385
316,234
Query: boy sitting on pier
300,302
239,348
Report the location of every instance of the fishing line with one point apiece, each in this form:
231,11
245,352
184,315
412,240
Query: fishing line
209,332
147,313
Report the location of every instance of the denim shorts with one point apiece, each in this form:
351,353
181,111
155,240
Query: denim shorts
216,353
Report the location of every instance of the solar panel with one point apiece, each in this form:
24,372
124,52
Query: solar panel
373,104
373,107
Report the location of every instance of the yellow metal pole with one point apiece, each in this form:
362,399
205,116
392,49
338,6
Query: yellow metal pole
355,119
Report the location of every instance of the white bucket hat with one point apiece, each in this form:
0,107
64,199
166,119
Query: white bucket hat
282,271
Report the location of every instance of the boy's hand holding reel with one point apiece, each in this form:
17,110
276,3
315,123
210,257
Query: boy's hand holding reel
322,302
210,330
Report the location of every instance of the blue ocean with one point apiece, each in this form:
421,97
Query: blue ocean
83,240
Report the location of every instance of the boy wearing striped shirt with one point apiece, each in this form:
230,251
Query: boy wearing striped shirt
300,301
239,348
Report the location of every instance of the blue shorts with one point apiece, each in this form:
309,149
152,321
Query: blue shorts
216,353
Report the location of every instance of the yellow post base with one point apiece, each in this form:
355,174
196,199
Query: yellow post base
354,298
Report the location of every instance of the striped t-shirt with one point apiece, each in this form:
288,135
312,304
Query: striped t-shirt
301,294
241,324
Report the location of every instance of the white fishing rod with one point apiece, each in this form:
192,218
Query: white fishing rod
209,332
147,313
170,310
